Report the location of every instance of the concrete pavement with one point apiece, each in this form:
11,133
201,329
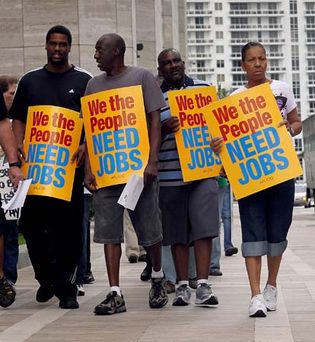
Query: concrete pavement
294,320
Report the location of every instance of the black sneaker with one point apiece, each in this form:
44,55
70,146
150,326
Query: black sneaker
7,293
68,303
230,251
88,278
113,303
44,293
157,296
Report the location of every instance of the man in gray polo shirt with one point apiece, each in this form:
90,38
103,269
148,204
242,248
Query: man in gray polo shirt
109,55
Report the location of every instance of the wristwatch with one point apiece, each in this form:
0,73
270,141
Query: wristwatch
17,164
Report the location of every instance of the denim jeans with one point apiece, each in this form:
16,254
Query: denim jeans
11,250
168,264
216,242
226,217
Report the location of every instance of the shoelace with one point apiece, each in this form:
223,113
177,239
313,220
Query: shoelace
157,289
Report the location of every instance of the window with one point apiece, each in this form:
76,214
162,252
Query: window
220,63
239,21
238,6
218,6
199,21
296,85
199,6
312,92
310,6
312,107
239,79
295,63
219,49
293,7
219,35
273,34
236,64
200,65
272,21
200,49
220,78
272,7
273,49
311,64
240,35
294,29
218,20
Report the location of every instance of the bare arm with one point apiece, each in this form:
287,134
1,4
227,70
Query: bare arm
19,132
8,143
293,123
89,178
151,171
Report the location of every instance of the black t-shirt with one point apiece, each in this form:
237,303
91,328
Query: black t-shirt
3,108
42,87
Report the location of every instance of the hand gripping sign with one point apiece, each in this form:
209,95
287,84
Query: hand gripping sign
257,154
196,157
116,134
51,138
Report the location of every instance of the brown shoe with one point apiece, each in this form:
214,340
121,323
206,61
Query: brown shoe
169,287
193,283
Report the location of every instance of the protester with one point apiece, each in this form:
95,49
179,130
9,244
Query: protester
11,246
8,143
109,54
265,216
190,211
226,216
53,227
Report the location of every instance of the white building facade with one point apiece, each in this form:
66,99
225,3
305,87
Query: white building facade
217,29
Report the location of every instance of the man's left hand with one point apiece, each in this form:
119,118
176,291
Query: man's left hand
79,155
150,172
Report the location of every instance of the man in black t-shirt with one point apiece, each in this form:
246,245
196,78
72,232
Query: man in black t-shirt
53,227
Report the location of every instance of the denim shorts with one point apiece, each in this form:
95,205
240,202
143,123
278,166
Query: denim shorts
146,218
266,217
189,212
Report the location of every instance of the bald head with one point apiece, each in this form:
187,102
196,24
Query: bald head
109,53
115,41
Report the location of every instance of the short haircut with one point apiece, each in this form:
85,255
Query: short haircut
249,45
6,81
163,52
117,41
61,30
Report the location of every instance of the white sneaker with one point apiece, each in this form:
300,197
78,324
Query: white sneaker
257,307
81,291
270,294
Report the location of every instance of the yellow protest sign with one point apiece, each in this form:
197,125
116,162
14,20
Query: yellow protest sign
196,157
116,134
257,154
52,136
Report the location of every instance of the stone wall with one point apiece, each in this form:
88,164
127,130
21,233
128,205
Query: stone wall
24,24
